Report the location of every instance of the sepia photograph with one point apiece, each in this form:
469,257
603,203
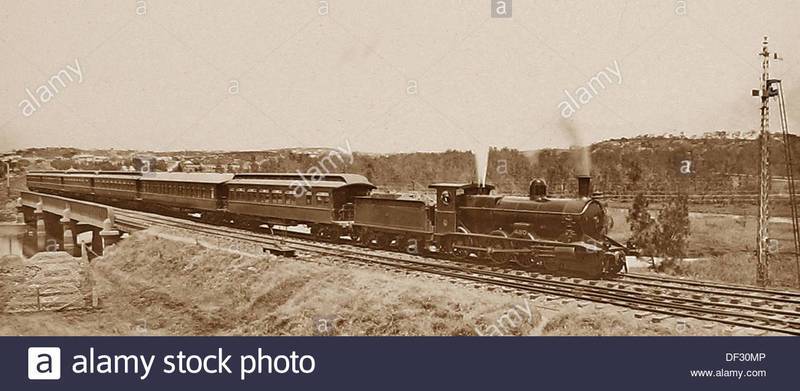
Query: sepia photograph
354,168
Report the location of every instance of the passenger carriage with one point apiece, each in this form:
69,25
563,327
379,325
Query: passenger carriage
324,202
196,191
45,181
116,185
78,182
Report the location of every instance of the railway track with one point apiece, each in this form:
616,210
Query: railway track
769,310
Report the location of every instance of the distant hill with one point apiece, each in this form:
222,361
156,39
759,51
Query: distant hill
718,161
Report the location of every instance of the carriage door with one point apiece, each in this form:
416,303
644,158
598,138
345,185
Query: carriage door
446,219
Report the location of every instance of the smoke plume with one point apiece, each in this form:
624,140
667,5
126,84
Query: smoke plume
582,159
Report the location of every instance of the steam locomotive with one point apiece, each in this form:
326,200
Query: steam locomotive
467,221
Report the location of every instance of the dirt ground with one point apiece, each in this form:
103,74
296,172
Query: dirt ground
150,286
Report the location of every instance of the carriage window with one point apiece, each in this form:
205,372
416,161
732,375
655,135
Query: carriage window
322,198
252,194
263,195
277,197
309,198
289,195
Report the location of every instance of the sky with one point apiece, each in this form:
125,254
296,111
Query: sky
384,76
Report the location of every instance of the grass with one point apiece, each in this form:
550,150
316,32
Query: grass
160,287
601,323
726,246
737,269
170,288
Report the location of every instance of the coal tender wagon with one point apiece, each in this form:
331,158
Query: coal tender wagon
393,222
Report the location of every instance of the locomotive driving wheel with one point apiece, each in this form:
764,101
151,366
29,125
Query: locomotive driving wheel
527,261
499,244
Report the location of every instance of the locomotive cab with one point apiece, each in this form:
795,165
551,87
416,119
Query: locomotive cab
449,197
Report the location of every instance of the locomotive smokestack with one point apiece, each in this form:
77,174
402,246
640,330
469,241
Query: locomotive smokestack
584,186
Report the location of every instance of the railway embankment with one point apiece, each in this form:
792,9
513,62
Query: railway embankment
150,286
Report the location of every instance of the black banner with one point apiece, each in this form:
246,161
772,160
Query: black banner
383,363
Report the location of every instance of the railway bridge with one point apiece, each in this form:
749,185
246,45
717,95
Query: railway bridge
51,223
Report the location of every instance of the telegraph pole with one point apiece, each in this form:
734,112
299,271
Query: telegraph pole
762,239
787,145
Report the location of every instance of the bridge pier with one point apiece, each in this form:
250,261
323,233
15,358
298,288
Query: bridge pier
109,234
54,232
39,230
97,241
13,235
70,238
